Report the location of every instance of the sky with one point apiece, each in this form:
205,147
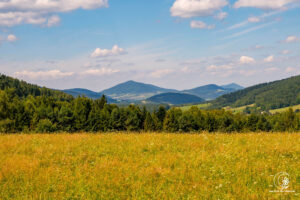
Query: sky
178,44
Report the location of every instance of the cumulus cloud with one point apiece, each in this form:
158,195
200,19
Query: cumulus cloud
43,75
264,4
108,52
37,12
100,72
290,69
161,72
201,25
193,8
221,15
253,19
291,39
53,21
246,60
16,18
11,38
269,59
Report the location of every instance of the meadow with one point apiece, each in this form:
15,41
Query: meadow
147,166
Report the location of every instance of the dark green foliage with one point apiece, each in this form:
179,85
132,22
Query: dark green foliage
149,124
45,126
175,98
277,94
47,114
171,122
23,89
76,92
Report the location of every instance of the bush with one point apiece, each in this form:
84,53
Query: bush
6,125
45,126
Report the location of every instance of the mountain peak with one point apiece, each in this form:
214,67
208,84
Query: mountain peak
132,90
233,86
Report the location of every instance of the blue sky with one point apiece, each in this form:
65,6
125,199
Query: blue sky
179,44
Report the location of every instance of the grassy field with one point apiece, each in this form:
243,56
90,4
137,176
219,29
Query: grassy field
238,109
147,166
284,109
201,106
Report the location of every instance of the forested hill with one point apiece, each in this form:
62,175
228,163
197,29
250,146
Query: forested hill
271,95
135,91
175,98
24,89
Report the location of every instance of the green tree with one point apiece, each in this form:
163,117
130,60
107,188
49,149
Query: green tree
171,122
149,124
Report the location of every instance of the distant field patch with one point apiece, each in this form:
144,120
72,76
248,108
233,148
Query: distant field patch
238,109
147,166
284,109
201,106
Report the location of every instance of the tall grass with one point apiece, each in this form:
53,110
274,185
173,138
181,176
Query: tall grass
147,166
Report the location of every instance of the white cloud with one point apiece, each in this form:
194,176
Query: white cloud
261,17
271,69
16,18
249,30
49,6
53,21
253,19
193,8
285,52
264,4
108,52
201,25
221,15
290,69
248,72
269,59
219,67
100,72
161,72
38,12
291,39
186,69
11,38
246,60
43,75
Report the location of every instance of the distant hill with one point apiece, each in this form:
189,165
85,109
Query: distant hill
175,98
210,92
273,95
233,86
134,91
75,92
24,89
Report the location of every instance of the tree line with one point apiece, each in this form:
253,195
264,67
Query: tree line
47,114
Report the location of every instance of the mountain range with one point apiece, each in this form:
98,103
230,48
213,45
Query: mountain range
132,91
267,96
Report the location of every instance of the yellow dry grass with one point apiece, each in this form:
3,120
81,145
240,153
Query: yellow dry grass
280,110
147,166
